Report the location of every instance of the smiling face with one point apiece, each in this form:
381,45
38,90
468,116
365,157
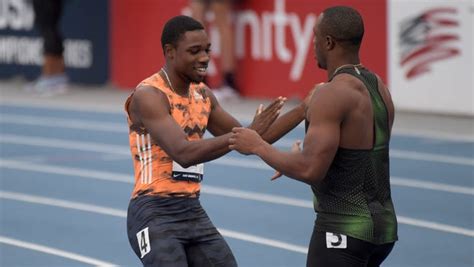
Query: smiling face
191,56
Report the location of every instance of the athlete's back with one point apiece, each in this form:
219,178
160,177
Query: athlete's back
356,128
354,197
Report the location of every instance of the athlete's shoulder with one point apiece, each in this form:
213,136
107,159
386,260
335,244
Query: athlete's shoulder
336,96
347,88
154,80
202,89
147,98
344,81
206,93
146,90
335,88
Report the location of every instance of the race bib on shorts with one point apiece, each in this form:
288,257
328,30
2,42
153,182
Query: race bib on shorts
336,240
194,173
143,239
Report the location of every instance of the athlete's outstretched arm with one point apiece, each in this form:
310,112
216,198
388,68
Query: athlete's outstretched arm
221,122
325,113
289,120
150,108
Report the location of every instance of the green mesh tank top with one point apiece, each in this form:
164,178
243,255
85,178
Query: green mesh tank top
354,198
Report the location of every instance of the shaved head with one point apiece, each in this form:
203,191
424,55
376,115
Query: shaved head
344,24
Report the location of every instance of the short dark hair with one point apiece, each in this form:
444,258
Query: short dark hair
176,27
344,24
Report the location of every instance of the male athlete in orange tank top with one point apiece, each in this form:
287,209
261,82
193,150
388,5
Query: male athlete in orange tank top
168,114
153,167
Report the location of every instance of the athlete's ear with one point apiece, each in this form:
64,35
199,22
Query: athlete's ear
329,42
169,51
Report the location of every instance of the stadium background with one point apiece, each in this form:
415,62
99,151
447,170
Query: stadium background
65,168
119,42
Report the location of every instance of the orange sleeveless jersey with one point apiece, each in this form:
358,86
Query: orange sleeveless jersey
153,167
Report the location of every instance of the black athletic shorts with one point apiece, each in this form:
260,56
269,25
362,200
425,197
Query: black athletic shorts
330,249
175,232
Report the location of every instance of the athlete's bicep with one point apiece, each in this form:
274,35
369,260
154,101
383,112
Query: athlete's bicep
220,121
325,115
150,107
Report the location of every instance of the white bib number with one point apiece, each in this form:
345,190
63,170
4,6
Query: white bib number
144,242
194,173
336,240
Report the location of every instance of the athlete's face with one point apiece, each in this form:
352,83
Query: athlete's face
192,56
318,44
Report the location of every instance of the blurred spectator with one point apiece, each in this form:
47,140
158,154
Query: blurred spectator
53,79
222,10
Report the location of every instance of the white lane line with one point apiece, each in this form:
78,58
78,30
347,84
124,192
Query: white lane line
233,162
214,190
436,226
66,123
64,144
242,163
121,127
405,154
59,105
432,134
123,214
263,241
254,196
395,181
399,181
118,110
84,173
116,149
54,251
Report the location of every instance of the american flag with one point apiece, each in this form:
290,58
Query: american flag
427,38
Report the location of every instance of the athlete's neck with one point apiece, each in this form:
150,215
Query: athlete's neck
340,62
176,84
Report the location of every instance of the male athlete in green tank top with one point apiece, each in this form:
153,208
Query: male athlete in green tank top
354,198
345,156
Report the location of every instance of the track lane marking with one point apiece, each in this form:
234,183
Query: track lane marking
221,191
123,214
245,119
53,251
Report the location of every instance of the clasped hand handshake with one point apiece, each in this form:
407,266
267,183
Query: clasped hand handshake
248,140
245,140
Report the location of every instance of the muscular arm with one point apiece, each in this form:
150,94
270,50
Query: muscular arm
289,120
325,114
150,107
220,121
284,124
